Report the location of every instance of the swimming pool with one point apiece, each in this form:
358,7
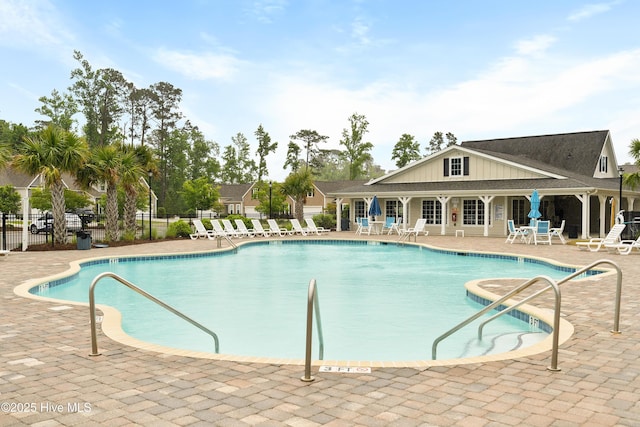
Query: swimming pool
378,301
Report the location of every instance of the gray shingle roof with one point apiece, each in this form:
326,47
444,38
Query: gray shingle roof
576,152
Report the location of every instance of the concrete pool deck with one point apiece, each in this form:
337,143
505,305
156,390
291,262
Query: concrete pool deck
47,377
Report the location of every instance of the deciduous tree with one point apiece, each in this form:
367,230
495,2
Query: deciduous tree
406,150
357,152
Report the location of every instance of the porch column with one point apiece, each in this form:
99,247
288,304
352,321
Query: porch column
603,213
444,200
339,213
584,199
367,202
405,213
487,214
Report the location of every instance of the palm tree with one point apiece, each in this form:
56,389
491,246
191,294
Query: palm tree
633,179
49,154
135,163
105,166
298,185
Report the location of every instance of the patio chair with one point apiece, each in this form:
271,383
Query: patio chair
259,229
296,227
313,229
274,228
201,231
514,232
612,238
625,246
405,235
390,225
542,233
364,226
243,230
557,232
229,229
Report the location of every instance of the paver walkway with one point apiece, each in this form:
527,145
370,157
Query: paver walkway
48,379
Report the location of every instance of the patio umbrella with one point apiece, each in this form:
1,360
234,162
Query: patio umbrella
535,205
374,209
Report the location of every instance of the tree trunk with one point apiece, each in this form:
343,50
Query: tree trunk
131,194
57,206
111,225
299,214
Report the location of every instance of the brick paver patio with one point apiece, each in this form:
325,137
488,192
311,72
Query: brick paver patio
48,379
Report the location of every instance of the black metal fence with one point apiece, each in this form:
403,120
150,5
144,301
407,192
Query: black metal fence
39,229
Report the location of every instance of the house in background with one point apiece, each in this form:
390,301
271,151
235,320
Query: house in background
240,198
478,185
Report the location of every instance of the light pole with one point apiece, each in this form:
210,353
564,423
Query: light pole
621,173
270,210
150,175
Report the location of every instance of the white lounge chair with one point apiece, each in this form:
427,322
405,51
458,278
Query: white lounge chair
557,232
542,233
274,228
297,227
312,228
259,229
597,243
414,231
230,229
201,231
625,246
217,228
243,230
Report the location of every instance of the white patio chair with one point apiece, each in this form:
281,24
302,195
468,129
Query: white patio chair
405,235
542,233
312,228
557,232
243,230
259,229
274,228
297,228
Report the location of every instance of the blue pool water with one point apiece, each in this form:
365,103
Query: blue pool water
377,301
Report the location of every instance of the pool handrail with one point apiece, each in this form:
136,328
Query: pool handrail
312,305
616,314
522,287
92,310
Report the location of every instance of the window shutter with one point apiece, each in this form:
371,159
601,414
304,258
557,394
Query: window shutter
465,166
446,167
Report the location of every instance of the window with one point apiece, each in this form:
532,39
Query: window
254,193
230,209
603,164
311,193
456,166
519,212
393,209
473,212
358,209
432,211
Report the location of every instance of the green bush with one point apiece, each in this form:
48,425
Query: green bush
247,221
179,228
207,223
325,221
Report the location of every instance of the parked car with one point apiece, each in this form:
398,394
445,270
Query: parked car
45,223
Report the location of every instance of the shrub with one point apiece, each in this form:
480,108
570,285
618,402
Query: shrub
246,221
179,228
325,221
207,223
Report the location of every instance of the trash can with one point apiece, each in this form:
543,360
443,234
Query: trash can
572,231
344,224
83,240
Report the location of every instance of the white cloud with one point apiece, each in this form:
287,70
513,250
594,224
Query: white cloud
31,23
199,66
535,45
590,10
264,10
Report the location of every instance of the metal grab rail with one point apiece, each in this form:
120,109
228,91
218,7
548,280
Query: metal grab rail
616,314
92,310
312,304
522,287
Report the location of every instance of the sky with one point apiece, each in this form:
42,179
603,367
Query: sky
481,69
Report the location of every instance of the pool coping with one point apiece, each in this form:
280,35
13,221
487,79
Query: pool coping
111,318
